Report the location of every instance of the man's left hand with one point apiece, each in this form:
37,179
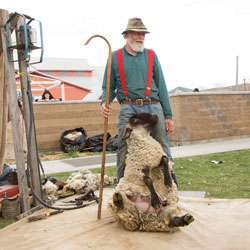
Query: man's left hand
169,125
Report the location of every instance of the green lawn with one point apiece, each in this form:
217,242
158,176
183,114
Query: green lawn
5,222
231,179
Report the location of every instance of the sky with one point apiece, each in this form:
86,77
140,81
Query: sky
197,41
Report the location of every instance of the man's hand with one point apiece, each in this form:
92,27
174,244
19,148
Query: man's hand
169,125
105,111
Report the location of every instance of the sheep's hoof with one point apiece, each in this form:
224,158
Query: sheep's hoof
188,218
118,201
181,221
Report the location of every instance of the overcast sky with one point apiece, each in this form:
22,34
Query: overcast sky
196,41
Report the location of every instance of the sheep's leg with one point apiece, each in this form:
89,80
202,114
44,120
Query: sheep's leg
181,221
118,201
155,200
127,133
174,178
165,169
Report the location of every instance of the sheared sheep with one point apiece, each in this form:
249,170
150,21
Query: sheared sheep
146,199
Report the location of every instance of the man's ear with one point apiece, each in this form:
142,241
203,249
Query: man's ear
127,133
125,35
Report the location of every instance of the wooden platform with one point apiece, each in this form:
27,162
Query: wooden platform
219,224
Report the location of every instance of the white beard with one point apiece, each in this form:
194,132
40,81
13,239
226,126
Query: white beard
137,47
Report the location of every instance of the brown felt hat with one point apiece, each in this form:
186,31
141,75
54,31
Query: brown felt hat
135,24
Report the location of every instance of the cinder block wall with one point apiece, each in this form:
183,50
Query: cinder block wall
206,116
198,117
54,118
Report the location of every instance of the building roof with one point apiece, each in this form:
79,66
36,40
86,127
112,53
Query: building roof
60,90
63,64
92,83
59,79
238,87
178,90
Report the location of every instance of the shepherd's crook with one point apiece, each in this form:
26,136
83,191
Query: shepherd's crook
105,122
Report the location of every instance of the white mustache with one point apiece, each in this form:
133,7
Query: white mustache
137,46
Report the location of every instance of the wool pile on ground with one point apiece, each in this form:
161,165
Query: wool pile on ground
78,182
219,224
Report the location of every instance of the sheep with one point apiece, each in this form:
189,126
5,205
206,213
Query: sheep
146,198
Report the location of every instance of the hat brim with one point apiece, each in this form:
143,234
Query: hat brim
135,30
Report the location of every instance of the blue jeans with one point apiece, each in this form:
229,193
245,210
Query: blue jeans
159,132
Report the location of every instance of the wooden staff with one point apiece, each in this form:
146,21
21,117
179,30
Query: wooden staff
105,122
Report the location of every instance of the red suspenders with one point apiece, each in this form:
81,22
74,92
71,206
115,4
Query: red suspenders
149,76
121,72
150,72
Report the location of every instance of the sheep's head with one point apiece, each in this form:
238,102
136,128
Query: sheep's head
142,122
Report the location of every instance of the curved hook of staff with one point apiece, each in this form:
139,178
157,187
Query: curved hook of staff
108,65
105,121
100,36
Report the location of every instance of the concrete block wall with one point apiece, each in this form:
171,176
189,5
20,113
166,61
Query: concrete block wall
52,119
206,116
198,117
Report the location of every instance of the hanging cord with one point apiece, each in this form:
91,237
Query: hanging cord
31,122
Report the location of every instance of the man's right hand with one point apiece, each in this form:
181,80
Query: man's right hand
106,111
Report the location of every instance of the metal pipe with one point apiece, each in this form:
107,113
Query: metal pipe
237,70
105,121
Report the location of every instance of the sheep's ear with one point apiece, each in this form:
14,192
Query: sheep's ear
127,133
151,122
133,121
154,120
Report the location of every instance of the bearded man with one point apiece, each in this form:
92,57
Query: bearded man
138,83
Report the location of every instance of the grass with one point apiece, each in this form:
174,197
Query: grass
5,222
231,179
59,155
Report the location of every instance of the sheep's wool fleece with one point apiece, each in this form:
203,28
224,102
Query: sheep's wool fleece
138,214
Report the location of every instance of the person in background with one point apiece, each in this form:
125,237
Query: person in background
47,96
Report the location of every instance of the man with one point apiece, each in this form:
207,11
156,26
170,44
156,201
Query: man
138,83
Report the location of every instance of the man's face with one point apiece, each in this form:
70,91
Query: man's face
47,96
135,40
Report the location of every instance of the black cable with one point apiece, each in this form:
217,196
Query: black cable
32,122
59,208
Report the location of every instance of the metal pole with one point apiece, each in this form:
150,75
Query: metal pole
105,122
244,82
33,163
14,112
237,70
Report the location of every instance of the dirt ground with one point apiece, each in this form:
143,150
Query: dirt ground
219,224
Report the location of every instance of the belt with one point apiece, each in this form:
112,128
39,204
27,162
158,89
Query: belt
140,102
